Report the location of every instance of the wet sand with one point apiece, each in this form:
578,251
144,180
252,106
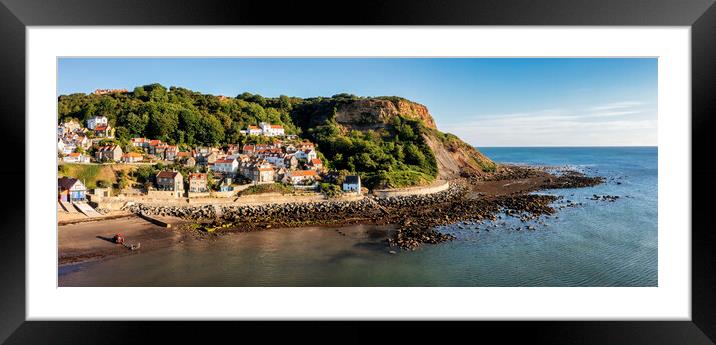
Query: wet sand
90,241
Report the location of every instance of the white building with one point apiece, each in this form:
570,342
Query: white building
227,166
67,127
68,148
307,154
352,184
76,158
132,157
140,142
270,130
93,122
300,176
253,130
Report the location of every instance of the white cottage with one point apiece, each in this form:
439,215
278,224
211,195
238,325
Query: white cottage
352,184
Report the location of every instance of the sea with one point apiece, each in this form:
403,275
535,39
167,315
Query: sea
598,243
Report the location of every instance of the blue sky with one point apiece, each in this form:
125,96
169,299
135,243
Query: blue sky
486,101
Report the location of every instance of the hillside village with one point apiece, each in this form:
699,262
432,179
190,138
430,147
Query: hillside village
284,159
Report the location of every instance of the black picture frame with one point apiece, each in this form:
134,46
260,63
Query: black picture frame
700,15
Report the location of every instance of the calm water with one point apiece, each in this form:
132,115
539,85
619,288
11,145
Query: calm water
598,244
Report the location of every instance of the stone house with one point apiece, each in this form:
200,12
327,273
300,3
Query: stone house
315,164
109,152
170,180
262,174
198,183
290,162
170,152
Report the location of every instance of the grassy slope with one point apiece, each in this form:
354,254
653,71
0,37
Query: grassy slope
91,173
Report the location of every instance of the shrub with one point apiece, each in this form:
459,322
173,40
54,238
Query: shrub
330,190
268,188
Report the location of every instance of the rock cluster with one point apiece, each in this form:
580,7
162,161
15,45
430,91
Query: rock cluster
572,179
193,212
610,198
505,172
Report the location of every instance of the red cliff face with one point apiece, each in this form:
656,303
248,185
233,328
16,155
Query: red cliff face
378,112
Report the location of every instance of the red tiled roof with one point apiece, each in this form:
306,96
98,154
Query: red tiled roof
197,176
100,128
226,161
316,161
277,126
303,173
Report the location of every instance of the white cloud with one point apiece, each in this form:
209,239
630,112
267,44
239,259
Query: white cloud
613,124
617,105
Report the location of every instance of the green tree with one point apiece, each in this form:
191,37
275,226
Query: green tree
212,130
122,134
413,155
140,93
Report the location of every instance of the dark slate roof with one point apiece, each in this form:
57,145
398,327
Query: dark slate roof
66,182
352,179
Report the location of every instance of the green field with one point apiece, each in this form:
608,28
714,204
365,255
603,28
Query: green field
89,174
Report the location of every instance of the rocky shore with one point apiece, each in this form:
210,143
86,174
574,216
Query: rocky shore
416,216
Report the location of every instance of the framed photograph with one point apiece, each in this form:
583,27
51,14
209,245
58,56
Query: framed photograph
461,163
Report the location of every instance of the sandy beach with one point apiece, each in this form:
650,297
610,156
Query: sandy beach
91,240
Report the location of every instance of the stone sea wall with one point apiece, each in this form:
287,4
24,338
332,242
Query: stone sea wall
436,187
295,211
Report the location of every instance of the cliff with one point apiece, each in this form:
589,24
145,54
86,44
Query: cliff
376,112
452,155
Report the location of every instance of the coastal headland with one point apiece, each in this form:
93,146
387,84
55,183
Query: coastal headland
245,174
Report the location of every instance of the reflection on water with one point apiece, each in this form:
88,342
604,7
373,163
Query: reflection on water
598,244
